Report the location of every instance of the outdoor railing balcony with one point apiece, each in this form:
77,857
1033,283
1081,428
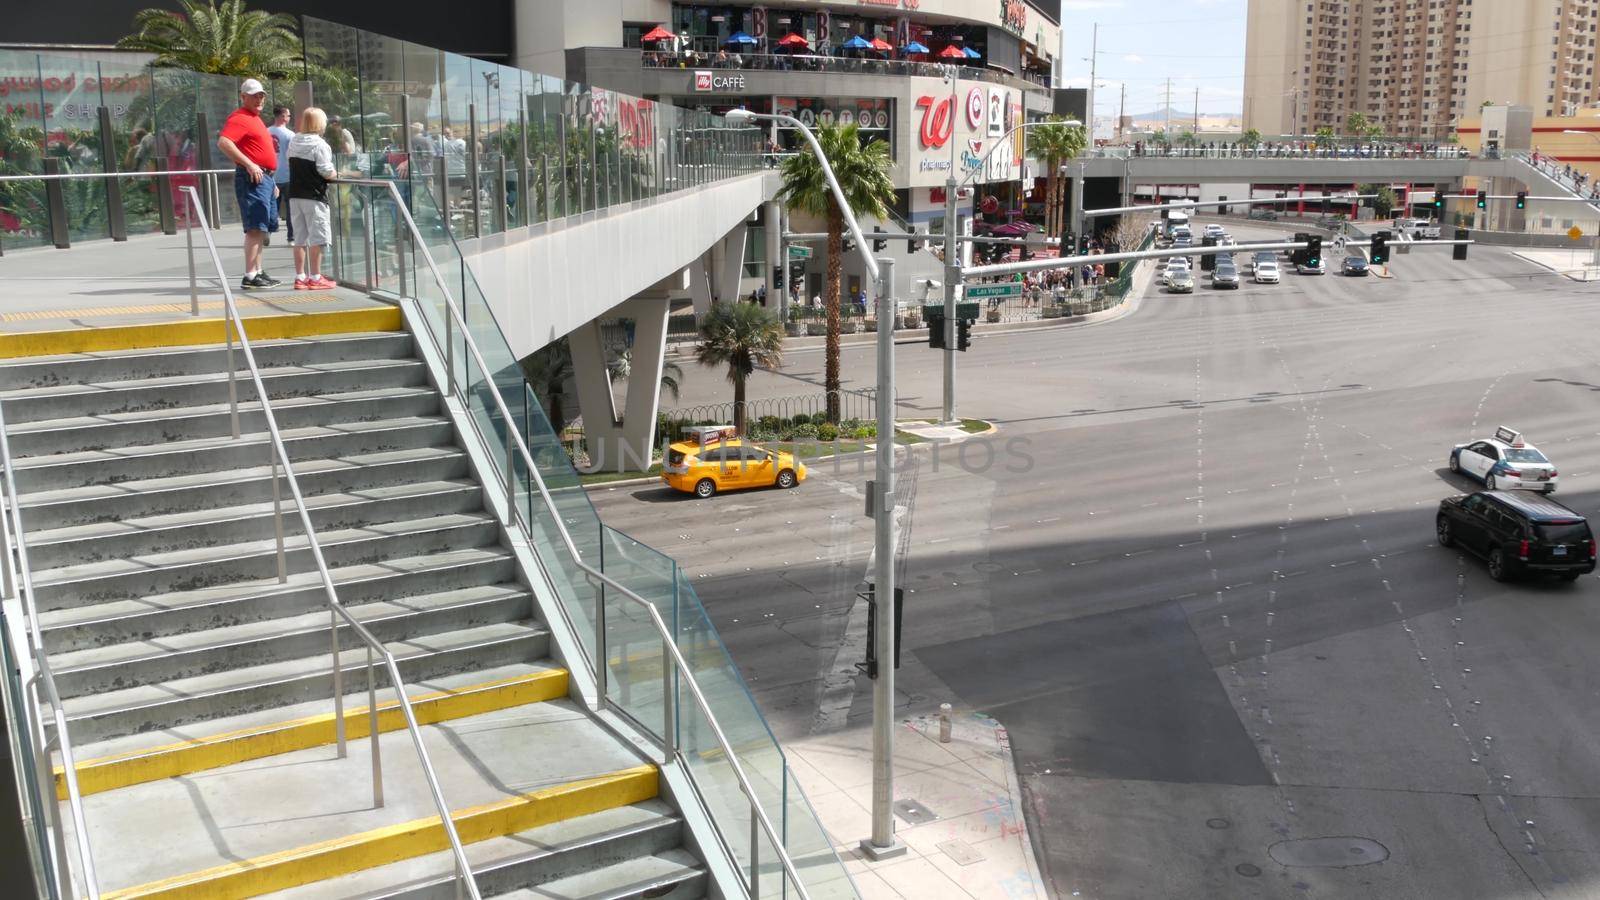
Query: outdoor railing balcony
812,62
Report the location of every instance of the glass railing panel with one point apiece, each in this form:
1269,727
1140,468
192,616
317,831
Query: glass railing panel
72,138
635,655
23,759
810,847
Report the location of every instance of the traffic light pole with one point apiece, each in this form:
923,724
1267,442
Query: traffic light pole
952,276
882,844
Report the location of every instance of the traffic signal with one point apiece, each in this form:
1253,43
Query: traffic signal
1314,250
1459,251
913,245
1522,199
963,334
1438,196
1298,256
777,276
1208,261
871,665
849,244
878,243
936,332
1483,199
1083,245
1379,251
1327,205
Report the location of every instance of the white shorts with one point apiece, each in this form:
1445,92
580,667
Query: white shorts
311,223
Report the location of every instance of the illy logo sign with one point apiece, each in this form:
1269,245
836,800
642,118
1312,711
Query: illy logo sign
705,80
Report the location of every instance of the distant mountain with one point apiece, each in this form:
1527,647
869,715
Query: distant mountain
1179,115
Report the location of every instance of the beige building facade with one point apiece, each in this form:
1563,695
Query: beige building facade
1413,68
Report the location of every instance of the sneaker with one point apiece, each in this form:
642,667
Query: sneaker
251,282
324,283
265,280
304,284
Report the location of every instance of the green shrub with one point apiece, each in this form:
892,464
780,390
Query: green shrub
806,432
828,432
868,430
762,435
849,426
769,423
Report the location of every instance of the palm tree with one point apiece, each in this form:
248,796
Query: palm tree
863,173
548,371
224,39
740,336
621,366
1055,144
1250,138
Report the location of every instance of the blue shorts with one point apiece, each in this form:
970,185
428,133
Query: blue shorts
258,209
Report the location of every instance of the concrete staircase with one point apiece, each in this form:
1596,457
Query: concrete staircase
197,684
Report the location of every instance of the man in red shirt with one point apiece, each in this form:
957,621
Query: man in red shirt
245,140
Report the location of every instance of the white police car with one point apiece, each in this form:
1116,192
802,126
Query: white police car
1505,462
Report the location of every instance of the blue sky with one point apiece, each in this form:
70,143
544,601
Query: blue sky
1198,43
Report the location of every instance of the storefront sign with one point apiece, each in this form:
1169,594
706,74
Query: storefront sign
1014,16
975,108
937,124
870,115
902,4
706,80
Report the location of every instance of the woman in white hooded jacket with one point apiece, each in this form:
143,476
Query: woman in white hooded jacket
310,171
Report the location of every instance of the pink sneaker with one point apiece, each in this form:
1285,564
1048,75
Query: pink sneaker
323,283
303,284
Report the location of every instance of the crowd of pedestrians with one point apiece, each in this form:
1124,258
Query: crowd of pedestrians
1298,150
1574,180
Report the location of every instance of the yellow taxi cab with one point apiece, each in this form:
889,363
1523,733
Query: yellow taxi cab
716,459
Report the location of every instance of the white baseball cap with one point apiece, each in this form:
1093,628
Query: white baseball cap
252,86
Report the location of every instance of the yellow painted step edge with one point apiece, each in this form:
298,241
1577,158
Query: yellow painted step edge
369,849
185,332
214,751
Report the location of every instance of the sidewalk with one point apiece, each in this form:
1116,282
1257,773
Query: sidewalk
1577,264
975,846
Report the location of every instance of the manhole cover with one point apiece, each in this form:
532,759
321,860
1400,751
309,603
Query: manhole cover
986,566
914,812
1328,852
1218,823
1247,870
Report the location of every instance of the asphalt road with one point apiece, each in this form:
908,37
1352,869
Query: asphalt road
1194,575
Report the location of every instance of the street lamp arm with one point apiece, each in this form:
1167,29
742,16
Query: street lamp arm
1070,123
833,182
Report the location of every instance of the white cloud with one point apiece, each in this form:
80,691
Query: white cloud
1133,58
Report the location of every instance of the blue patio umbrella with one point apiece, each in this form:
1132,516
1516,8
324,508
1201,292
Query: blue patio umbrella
972,54
914,47
739,37
857,43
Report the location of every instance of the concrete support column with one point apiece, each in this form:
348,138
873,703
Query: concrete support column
700,282
772,215
730,268
622,443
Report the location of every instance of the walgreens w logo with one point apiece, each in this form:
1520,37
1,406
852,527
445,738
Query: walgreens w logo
937,121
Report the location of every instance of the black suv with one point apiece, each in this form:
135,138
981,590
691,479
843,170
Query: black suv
1518,532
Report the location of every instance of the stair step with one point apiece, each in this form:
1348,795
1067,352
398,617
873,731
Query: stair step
142,428
536,856
524,792
179,391
118,666
182,570
235,603
673,874
213,454
44,510
125,365
95,717
148,535
257,740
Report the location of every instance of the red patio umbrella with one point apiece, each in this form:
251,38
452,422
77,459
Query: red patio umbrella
656,35
881,45
792,40
952,52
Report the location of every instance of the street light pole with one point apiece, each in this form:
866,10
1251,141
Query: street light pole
882,844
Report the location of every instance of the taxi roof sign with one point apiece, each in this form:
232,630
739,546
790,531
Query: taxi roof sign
1509,436
710,434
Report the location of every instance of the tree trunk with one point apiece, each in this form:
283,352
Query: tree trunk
1052,219
738,403
830,297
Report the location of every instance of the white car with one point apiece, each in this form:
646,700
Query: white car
1175,265
1306,268
1505,462
1214,230
1266,272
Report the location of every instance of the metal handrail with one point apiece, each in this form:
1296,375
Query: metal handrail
677,662
281,456
22,579
138,173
